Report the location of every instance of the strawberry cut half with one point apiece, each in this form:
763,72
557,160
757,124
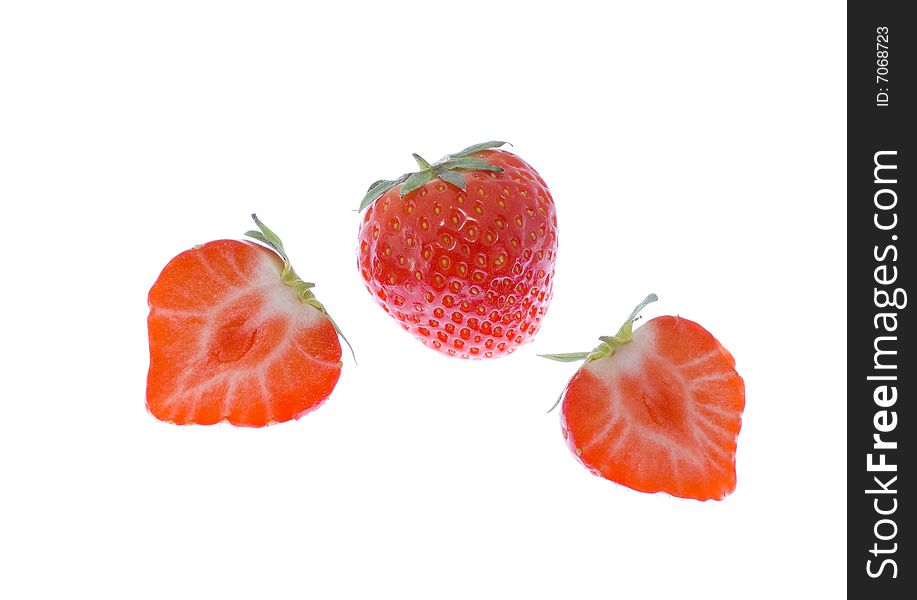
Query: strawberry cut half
658,409
237,336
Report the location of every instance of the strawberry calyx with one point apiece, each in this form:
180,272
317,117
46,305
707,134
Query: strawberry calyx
288,276
608,343
448,169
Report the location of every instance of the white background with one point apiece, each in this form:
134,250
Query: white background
693,150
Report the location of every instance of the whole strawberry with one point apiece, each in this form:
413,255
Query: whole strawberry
462,252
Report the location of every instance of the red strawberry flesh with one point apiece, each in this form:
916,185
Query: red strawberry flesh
661,413
230,341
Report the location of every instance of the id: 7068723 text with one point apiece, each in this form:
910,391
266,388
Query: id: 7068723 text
882,66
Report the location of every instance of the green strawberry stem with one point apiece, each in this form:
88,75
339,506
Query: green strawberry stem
448,169
288,275
608,345
423,164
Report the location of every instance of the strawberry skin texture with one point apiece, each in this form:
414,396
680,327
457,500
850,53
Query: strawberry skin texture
229,341
469,273
661,414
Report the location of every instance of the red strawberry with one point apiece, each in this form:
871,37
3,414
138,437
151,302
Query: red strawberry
657,409
236,335
462,252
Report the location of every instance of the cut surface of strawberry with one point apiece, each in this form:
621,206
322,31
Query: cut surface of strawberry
236,336
657,409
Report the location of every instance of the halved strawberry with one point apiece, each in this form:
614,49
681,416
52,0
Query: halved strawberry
657,409
236,335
